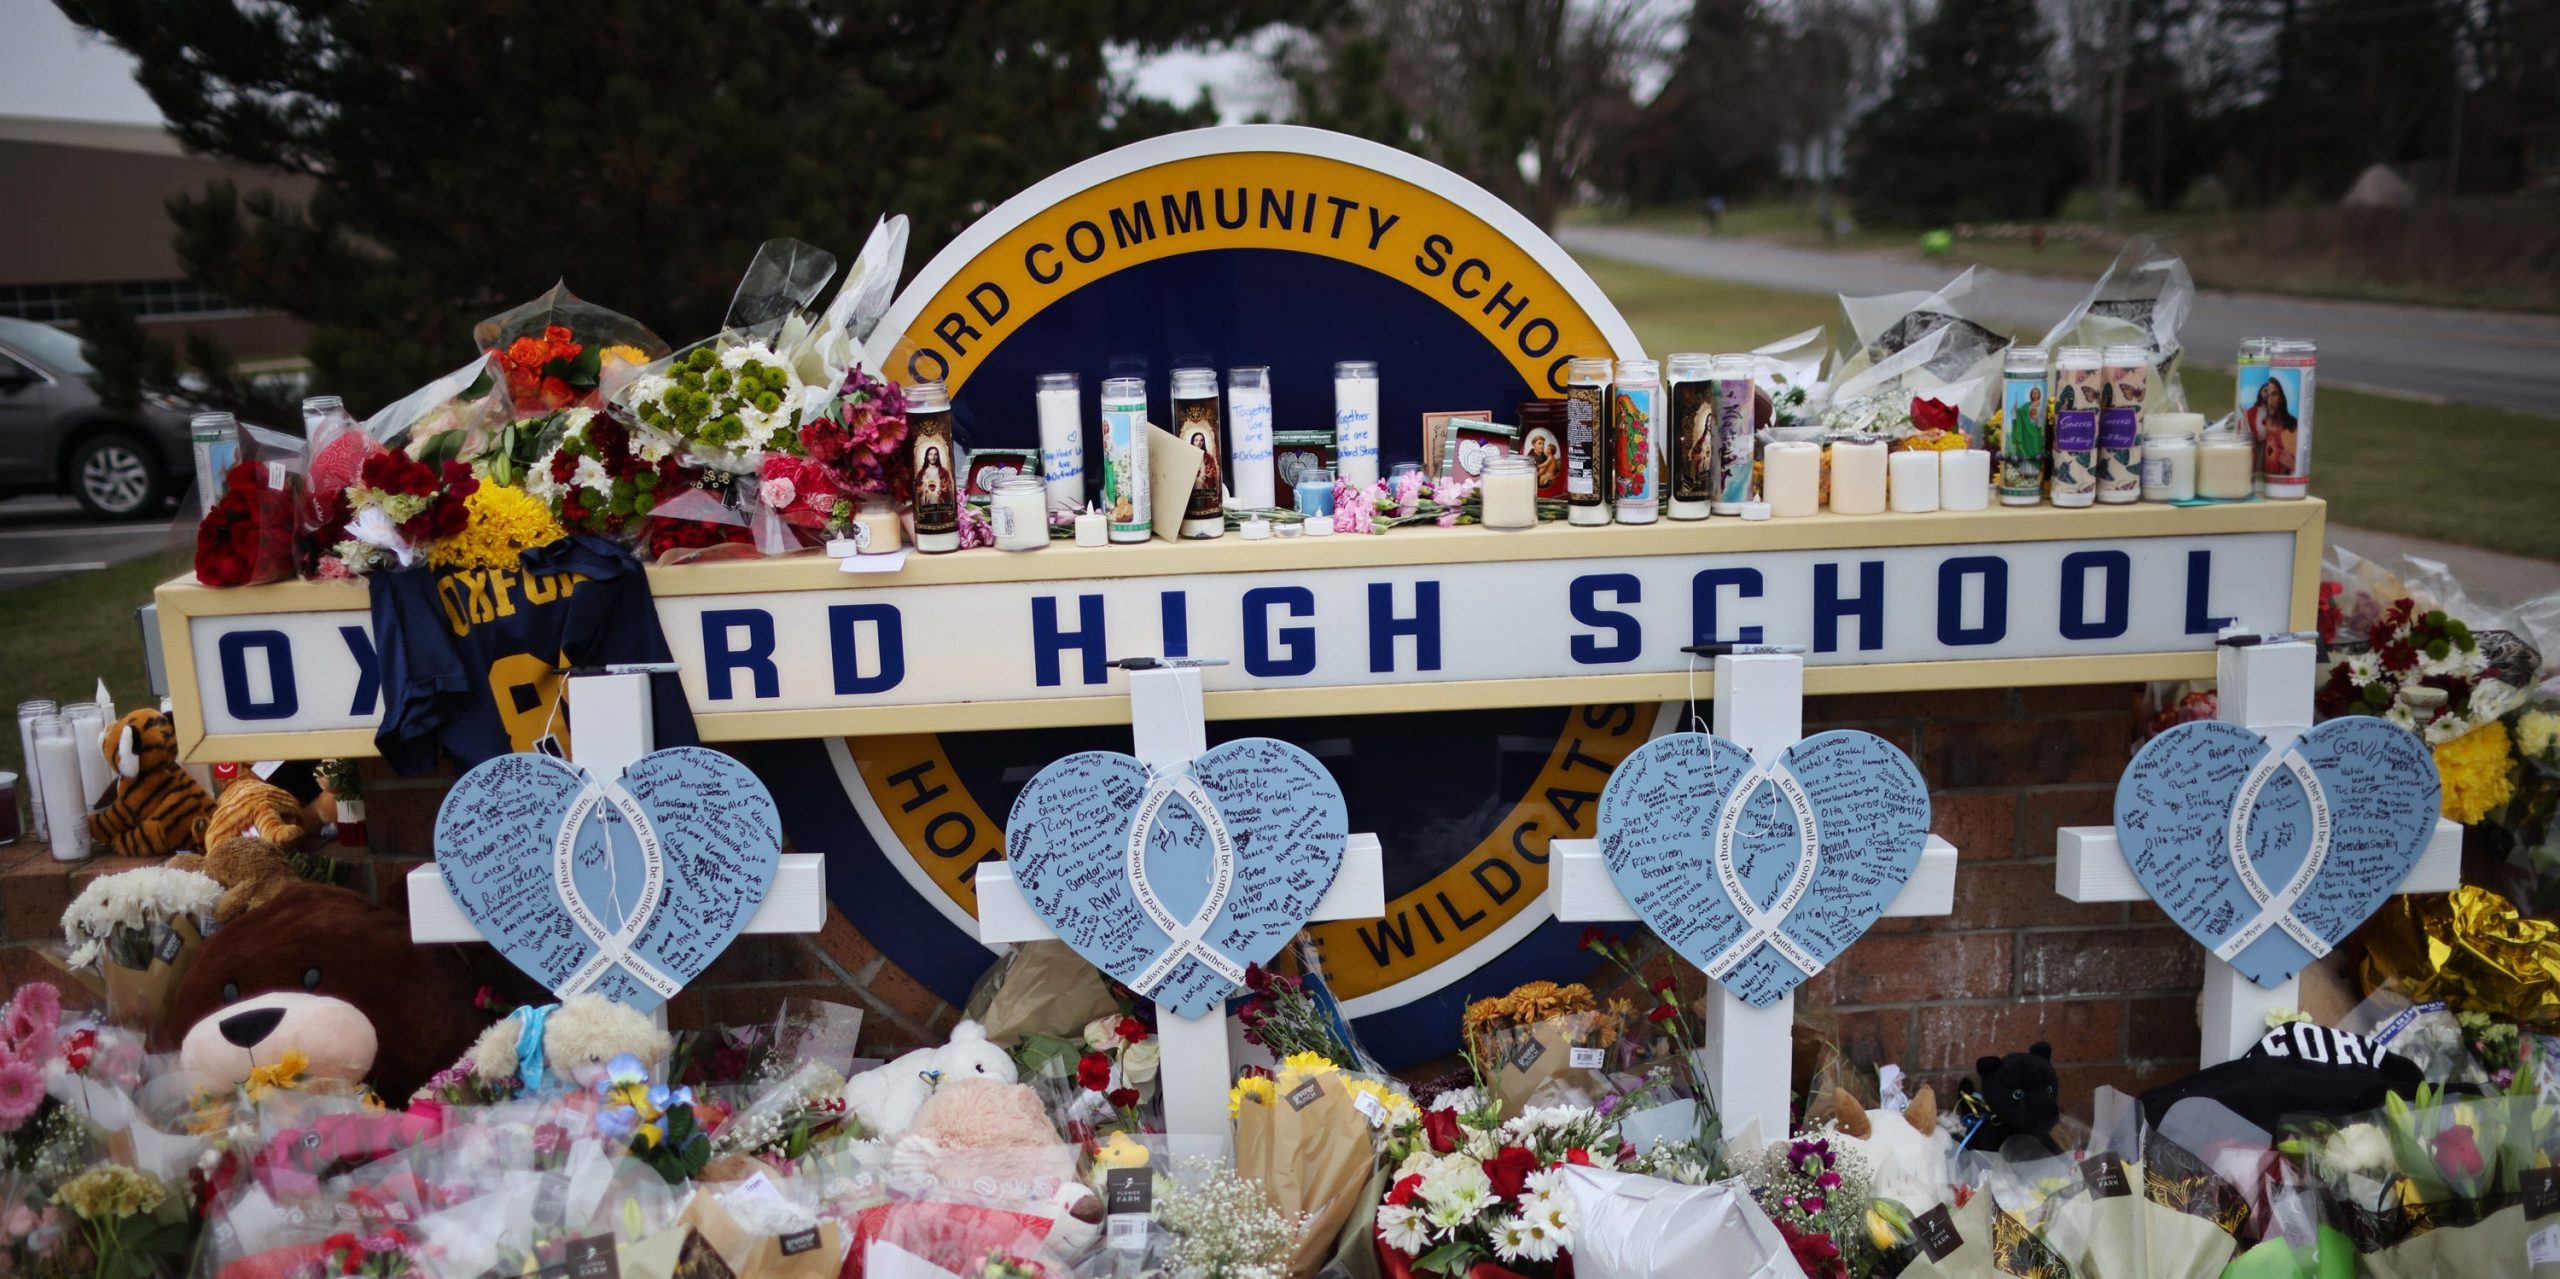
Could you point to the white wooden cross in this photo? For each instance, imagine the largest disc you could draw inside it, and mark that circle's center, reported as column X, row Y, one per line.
column 613, row 729
column 1168, row 721
column 2268, row 687
column 1759, row 705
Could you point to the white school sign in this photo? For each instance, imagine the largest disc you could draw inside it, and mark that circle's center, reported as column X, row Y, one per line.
column 1418, row 619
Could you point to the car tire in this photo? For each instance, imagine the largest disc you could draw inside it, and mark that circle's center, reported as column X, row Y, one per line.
column 117, row 475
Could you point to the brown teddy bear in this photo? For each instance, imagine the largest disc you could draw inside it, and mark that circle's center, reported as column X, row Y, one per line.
column 326, row 971
column 252, row 873
column 157, row 808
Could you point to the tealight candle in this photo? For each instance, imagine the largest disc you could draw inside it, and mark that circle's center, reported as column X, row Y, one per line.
column 1020, row 514
column 1913, row 476
column 1510, row 493
column 1254, row 529
column 1857, row 476
column 1964, row 480
column 1791, row 478
column 1092, row 529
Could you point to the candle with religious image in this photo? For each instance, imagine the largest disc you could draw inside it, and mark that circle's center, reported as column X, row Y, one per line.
column 2026, row 403
column 1195, row 422
column 1737, row 432
column 1689, row 445
column 2284, row 412
column 2126, row 370
column 2079, row 391
column 936, row 460
column 1124, row 460
column 1586, row 439
column 2248, row 383
column 1635, row 410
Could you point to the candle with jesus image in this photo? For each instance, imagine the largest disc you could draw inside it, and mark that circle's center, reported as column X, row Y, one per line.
column 1195, row 422
column 937, row 471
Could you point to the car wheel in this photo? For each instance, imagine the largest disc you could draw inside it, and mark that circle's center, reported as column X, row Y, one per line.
column 116, row 476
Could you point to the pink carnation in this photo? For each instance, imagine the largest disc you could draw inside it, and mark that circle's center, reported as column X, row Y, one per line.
column 33, row 1015
column 777, row 491
column 1408, row 492
column 21, row 1091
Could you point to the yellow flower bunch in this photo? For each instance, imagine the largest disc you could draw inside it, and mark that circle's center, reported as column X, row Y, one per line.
column 284, row 1074
column 504, row 524
column 2476, row 771
column 110, row 1191
column 1253, row 1088
column 2537, row 732
column 1932, row 442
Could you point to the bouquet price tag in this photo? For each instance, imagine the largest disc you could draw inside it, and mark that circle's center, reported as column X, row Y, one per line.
column 1368, row 1104
column 1589, row 1058
column 1128, row 1201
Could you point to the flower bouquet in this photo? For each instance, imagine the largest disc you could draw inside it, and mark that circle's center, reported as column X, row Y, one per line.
column 557, row 352
column 1309, row 1136
column 726, row 402
column 400, row 509
column 2432, row 1187
column 131, row 935
column 248, row 537
column 1477, row 1195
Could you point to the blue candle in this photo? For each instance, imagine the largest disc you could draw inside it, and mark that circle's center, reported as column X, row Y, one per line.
column 1315, row 493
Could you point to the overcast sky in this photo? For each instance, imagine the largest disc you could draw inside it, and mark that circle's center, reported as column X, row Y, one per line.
column 48, row 67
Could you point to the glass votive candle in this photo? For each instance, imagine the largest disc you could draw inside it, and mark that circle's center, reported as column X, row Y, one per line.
column 2223, row 462
column 1314, row 492
column 1019, row 512
column 1509, row 493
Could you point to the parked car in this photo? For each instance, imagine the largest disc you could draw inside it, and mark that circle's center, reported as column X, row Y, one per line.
column 55, row 437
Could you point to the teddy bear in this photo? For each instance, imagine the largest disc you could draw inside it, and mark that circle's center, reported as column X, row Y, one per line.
column 990, row 1142
column 326, row 972
column 251, row 871
column 562, row 1047
column 156, row 808
column 255, row 808
column 2020, row 1097
column 1906, row 1148
column 885, row 1100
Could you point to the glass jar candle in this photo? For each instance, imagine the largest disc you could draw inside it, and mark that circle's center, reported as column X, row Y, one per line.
column 1737, row 431
column 2079, row 390
column 2026, row 416
column 2126, row 372
column 1019, row 513
column 57, row 757
column 876, row 528
column 89, row 726
column 1249, row 419
column 2169, row 456
column 1195, row 422
column 33, row 781
column 1586, row 439
column 1689, row 437
column 1509, row 493
column 1355, row 420
column 1059, row 398
column 933, row 454
column 2223, row 467
column 1635, row 417
column 1791, row 479
column 1126, row 501
column 1857, row 475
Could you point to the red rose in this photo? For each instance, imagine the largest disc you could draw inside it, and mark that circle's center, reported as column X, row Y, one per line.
column 2457, row 1151
column 1509, row 1170
column 1131, row 1030
column 1094, row 1072
column 1441, row 1126
column 1123, row 1098
column 1930, row 415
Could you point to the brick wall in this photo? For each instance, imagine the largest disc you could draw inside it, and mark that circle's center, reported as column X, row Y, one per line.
column 2112, row 987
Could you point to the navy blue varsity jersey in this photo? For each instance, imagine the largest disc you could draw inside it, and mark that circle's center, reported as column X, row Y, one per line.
column 474, row 660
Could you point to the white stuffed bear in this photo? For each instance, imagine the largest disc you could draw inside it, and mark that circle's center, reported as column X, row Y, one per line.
column 885, row 1100
column 576, row 1038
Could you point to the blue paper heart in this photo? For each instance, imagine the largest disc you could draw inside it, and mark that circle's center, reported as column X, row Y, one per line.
column 2373, row 813
column 1660, row 821
column 717, row 838
column 1069, row 835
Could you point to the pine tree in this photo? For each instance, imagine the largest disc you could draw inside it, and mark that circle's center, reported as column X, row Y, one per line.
column 1969, row 129
column 468, row 153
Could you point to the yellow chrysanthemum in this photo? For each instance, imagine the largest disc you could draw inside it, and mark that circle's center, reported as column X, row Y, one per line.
column 624, row 354
column 1932, row 442
column 2476, row 769
column 1250, row 1088
column 505, row 523
column 111, row 1191
column 284, row 1073
column 2537, row 732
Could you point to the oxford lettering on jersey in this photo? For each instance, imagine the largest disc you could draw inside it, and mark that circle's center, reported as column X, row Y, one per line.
column 1542, row 623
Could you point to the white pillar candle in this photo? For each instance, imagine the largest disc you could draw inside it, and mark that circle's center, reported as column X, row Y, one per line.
column 33, row 780
column 1913, row 481
column 58, row 763
column 1791, row 478
column 89, row 730
column 1019, row 513
column 1510, row 493
column 1249, row 422
column 1964, row 480
column 1355, row 421
column 1061, row 402
column 1857, row 477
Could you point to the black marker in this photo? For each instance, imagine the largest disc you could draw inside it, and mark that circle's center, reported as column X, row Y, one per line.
column 626, row 668
column 1165, row 663
column 2275, row 637
column 1741, row 650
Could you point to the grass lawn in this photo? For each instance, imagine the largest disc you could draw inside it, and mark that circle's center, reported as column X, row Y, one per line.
column 62, row 636
column 2456, row 473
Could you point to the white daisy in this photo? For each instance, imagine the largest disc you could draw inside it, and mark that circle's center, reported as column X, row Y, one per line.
column 1458, row 1099
column 1511, row 1240
column 2364, row 667
column 1402, row 1227
column 1545, row 1182
column 591, row 475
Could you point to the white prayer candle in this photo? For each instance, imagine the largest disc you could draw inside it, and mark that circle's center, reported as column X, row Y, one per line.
column 1249, row 421
column 1913, row 481
column 1355, row 421
column 33, row 780
column 1061, row 403
column 58, row 763
column 89, row 729
column 1510, row 493
column 1019, row 513
column 1791, row 478
column 1964, row 480
column 1857, row 477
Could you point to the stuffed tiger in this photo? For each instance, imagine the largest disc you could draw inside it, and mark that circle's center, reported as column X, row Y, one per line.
column 257, row 809
column 156, row 809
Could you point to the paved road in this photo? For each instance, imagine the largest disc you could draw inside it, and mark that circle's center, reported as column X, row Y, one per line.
column 48, row 537
column 2462, row 357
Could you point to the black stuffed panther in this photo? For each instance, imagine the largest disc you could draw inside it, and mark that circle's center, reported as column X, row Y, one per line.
column 2020, row 1096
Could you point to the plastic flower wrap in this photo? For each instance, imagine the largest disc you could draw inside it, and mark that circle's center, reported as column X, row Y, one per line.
column 400, row 509
column 725, row 402
column 1478, row 1188
column 696, row 525
column 557, row 352
column 248, row 536
column 2430, row 1187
